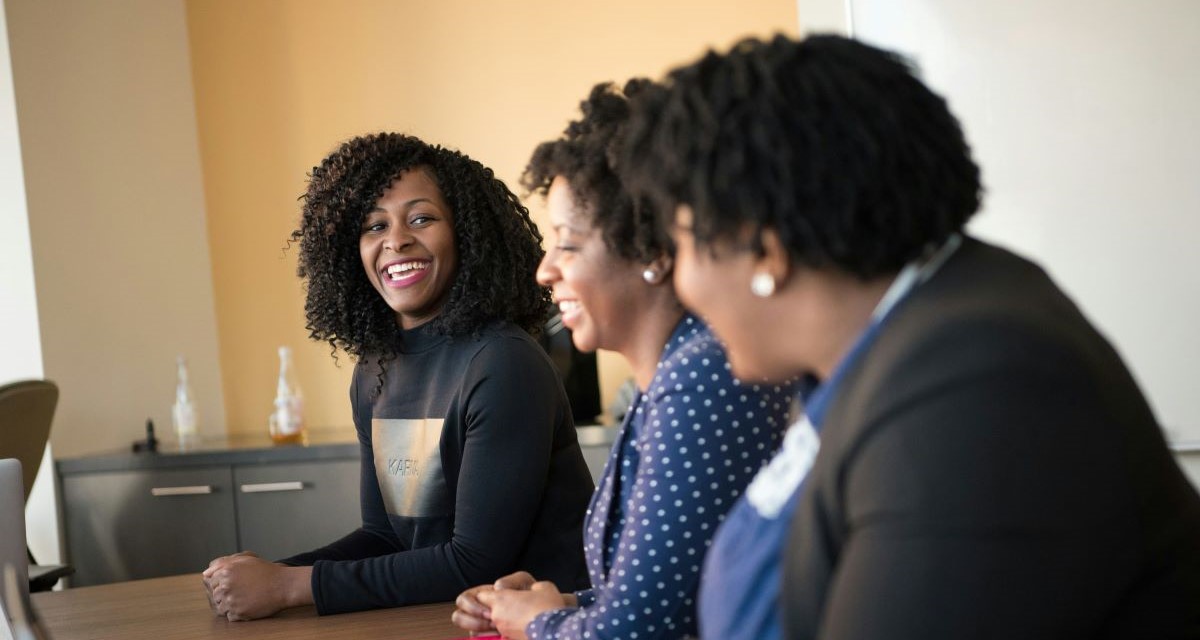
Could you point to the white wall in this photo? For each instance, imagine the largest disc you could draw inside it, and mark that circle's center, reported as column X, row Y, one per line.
column 18, row 312
column 1085, row 117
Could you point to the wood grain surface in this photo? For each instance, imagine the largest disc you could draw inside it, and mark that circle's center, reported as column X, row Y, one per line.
column 176, row 608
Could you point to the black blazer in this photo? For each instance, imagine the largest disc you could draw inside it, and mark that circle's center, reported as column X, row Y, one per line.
column 989, row 469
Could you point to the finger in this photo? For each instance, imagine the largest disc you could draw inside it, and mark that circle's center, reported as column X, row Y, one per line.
column 518, row 580
column 220, row 595
column 470, row 623
column 544, row 585
column 211, row 604
column 488, row 598
column 210, row 581
column 218, row 561
column 469, row 603
column 231, row 607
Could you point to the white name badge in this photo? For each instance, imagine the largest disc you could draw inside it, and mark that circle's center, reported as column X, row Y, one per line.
column 775, row 483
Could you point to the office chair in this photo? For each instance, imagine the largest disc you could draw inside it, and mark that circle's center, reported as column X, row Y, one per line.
column 26, row 412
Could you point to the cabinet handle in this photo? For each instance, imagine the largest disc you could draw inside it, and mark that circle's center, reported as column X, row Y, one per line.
column 197, row 490
column 268, row 487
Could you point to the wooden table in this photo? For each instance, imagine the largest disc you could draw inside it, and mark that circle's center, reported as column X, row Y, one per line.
column 175, row 608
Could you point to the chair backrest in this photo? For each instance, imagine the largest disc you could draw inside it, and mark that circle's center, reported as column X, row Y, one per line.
column 12, row 535
column 26, row 411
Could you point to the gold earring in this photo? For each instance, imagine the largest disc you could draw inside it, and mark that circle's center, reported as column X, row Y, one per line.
column 762, row 284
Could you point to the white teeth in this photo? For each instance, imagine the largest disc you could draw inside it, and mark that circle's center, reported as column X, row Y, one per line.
column 567, row 306
column 398, row 270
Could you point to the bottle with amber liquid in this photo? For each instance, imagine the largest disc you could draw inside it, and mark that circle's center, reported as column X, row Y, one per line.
column 286, row 423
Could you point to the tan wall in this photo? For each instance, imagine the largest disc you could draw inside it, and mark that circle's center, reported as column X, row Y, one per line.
column 116, row 214
column 279, row 84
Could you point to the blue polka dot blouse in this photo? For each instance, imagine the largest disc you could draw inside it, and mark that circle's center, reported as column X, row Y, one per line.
column 689, row 445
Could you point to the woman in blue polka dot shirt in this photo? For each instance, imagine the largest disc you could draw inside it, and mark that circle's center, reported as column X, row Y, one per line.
column 690, row 443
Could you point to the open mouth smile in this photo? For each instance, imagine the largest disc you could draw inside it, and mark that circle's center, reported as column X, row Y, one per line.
column 404, row 273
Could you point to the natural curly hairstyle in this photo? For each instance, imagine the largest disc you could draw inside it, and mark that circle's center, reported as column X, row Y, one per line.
column 586, row 156
column 497, row 243
column 833, row 144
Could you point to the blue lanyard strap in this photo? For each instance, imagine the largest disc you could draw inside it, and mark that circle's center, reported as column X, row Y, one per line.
column 912, row 275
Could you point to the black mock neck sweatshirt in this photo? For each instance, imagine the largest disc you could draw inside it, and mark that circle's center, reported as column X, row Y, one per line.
column 471, row 470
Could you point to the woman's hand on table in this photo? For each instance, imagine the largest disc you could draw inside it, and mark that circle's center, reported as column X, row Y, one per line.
column 509, row 611
column 471, row 615
column 243, row 586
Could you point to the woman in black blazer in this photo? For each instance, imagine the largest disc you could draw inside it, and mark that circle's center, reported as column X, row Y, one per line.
column 987, row 465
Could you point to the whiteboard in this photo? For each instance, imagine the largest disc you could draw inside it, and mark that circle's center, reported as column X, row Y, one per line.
column 1085, row 119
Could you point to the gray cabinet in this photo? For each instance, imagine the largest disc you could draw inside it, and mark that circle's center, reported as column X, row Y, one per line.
column 128, row 517
column 289, row 508
column 596, row 442
column 134, row 516
column 144, row 524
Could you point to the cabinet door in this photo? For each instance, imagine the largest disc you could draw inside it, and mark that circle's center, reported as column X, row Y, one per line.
column 131, row 525
column 596, row 456
column 288, row 508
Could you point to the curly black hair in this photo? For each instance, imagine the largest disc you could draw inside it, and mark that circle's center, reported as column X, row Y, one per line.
column 498, row 246
column 833, row 144
column 586, row 156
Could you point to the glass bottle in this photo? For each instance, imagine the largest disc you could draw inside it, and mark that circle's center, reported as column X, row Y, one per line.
column 286, row 423
column 184, row 416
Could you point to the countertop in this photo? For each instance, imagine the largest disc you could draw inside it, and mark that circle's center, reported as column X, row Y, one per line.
column 331, row 444
column 221, row 450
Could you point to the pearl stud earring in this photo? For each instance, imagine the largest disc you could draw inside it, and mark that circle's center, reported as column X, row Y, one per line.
column 762, row 284
column 650, row 276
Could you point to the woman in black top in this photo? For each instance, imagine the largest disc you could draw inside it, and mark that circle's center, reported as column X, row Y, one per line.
column 420, row 264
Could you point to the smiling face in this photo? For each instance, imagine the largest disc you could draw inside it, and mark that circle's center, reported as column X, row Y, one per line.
column 407, row 248
column 597, row 291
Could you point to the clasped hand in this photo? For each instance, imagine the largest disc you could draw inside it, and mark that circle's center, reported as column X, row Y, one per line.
column 243, row 586
column 507, row 605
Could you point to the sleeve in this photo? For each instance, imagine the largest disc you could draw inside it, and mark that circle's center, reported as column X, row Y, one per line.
column 704, row 437
column 511, row 402
column 375, row 536
column 978, row 503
